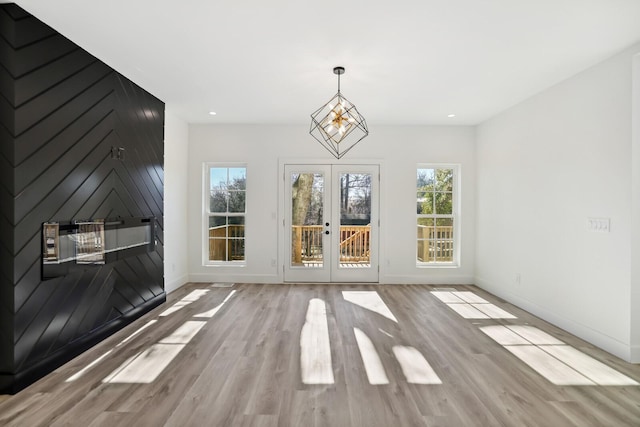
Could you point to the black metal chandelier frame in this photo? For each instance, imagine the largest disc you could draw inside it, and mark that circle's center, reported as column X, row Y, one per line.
column 337, row 125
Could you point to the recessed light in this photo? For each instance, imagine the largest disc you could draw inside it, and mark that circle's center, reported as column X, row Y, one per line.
column 451, row 115
column 212, row 113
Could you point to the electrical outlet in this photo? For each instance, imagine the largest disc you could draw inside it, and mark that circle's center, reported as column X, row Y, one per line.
column 601, row 225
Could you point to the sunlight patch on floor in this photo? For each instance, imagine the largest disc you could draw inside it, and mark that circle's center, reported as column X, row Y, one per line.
column 471, row 306
column 142, row 328
column 214, row 310
column 315, row 348
column 385, row 332
column 493, row 311
column 470, row 297
column 147, row 365
column 503, row 335
column 414, row 366
column 193, row 296
column 84, row 370
column 593, row 369
column 370, row 359
column 447, row 297
column 534, row 335
column 559, row 363
column 467, row 311
column 369, row 300
column 160, row 354
column 184, row 333
column 548, row 366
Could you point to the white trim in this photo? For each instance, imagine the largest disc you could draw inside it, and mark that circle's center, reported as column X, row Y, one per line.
column 382, row 205
column 234, row 278
column 371, row 274
column 635, row 210
column 456, row 215
column 204, row 249
column 635, row 354
column 437, row 265
column 427, row 279
column 605, row 342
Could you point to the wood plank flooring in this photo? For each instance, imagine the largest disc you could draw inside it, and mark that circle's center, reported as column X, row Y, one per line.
column 243, row 366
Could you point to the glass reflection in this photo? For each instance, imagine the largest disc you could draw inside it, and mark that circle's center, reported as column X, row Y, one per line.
column 355, row 220
column 307, row 217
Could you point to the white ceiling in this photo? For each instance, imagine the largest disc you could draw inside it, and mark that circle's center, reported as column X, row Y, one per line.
column 407, row 61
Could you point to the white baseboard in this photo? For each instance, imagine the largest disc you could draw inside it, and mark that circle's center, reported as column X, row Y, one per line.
column 635, row 354
column 173, row 284
column 426, row 280
column 235, row 278
column 597, row 338
column 384, row 279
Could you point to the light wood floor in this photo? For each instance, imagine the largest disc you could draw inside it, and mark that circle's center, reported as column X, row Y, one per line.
column 242, row 368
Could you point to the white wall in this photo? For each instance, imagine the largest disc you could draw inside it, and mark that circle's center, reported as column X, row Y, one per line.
column 544, row 167
column 176, row 141
column 398, row 149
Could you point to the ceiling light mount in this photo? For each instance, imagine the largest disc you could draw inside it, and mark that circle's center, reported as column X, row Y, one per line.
column 338, row 125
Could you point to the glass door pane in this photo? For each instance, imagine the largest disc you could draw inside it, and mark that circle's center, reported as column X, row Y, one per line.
column 354, row 244
column 307, row 217
column 355, row 220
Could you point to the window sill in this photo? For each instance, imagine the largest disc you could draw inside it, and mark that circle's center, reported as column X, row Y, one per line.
column 438, row 265
column 226, row 264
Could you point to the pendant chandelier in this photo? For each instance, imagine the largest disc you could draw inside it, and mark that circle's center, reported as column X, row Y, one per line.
column 338, row 125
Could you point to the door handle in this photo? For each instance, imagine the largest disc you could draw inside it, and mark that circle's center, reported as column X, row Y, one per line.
column 326, row 224
column 326, row 232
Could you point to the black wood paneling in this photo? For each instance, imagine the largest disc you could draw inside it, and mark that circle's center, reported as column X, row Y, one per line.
column 61, row 112
column 7, row 96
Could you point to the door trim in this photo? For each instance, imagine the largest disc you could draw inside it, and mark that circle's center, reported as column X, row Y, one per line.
column 282, row 210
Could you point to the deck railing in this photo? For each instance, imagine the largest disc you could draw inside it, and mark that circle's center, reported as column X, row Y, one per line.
column 226, row 247
column 435, row 244
column 355, row 243
column 306, row 243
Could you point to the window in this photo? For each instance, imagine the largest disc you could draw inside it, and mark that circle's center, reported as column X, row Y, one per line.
column 225, row 206
column 436, row 215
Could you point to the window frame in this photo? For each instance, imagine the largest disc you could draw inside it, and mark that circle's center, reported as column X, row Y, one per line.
column 207, row 214
column 455, row 216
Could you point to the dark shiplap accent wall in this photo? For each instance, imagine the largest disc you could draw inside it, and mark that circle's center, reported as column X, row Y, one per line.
column 61, row 112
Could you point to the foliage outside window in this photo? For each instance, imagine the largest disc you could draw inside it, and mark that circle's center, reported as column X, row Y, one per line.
column 226, row 211
column 436, row 215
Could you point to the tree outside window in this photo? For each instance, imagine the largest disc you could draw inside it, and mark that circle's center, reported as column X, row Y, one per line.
column 226, row 212
column 435, row 215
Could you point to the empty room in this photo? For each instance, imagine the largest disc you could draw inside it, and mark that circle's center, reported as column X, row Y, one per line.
column 320, row 214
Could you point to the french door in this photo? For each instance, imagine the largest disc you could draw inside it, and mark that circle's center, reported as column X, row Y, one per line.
column 331, row 223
